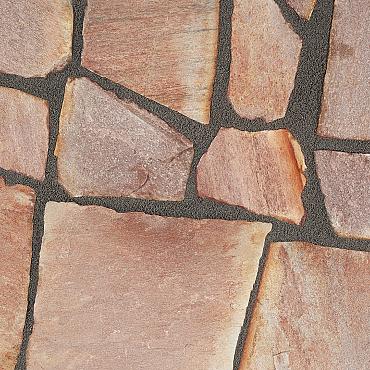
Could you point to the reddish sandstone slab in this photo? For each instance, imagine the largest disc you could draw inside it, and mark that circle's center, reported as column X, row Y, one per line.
column 16, row 209
column 35, row 36
column 110, row 147
column 303, row 7
column 261, row 171
column 136, row 291
column 345, row 110
column 24, row 133
column 165, row 50
column 264, row 59
column 345, row 182
column 312, row 310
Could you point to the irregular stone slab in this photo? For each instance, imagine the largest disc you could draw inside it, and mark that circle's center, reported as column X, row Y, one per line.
column 304, row 8
column 312, row 310
column 165, row 50
column 264, row 59
column 345, row 182
column 35, row 36
column 24, row 133
column 151, row 292
column 260, row 171
column 345, row 111
column 16, row 210
column 110, row 147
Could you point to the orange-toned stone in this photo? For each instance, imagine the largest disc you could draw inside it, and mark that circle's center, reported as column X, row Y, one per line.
column 264, row 59
column 110, row 147
column 345, row 110
column 149, row 292
column 311, row 310
column 345, row 182
column 260, row 171
column 164, row 50
column 35, row 36
column 16, row 210
column 24, row 133
column 303, row 7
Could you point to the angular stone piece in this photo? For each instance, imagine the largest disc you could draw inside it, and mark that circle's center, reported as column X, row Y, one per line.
column 164, row 50
column 264, row 58
column 35, row 36
column 345, row 109
column 16, row 210
column 260, row 171
column 24, row 133
column 304, row 8
column 110, row 147
column 311, row 311
column 149, row 292
column 345, row 182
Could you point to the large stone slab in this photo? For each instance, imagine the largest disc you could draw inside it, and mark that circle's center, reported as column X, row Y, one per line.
column 264, row 59
column 345, row 111
column 312, row 310
column 260, row 171
column 24, row 133
column 16, row 210
column 110, row 147
column 35, row 36
column 345, row 182
column 164, row 50
column 136, row 291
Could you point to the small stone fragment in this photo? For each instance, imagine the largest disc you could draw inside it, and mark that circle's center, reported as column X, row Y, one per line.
column 24, row 133
column 149, row 292
column 111, row 147
column 312, row 310
column 345, row 111
column 35, row 36
column 164, row 50
column 345, row 182
column 304, row 8
column 260, row 171
column 264, row 59
column 16, row 210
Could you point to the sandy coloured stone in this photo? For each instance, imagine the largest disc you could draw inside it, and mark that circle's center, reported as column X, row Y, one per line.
column 264, row 59
column 312, row 310
column 24, row 132
column 304, row 8
column 16, row 210
column 164, row 50
column 260, row 171
column 110, row 147
column 345, row 182
column 35, row 36
column 149, row 292
column 345, row 111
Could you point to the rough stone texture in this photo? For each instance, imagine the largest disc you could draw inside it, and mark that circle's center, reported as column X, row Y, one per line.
column 312, row 310
column 264, row 58
column 110, row 147
column 165, row 50
column 345, row 105
column 304, row 8
column 345, row 182
column 24, row 133
column 16, row 209
column 148, row 291
column 35, row 36
column 260, row 171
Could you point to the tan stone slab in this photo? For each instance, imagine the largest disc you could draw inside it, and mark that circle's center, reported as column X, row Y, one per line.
column 264, row 59
column 345, row 111
column 260, row 171
column 312, row 310
column 24, row 133
column 134, row 291
column 16, row 210
column 164, row 50
column 304, row 8
column 345, row 182
column 35, row 36
column 110, row 147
